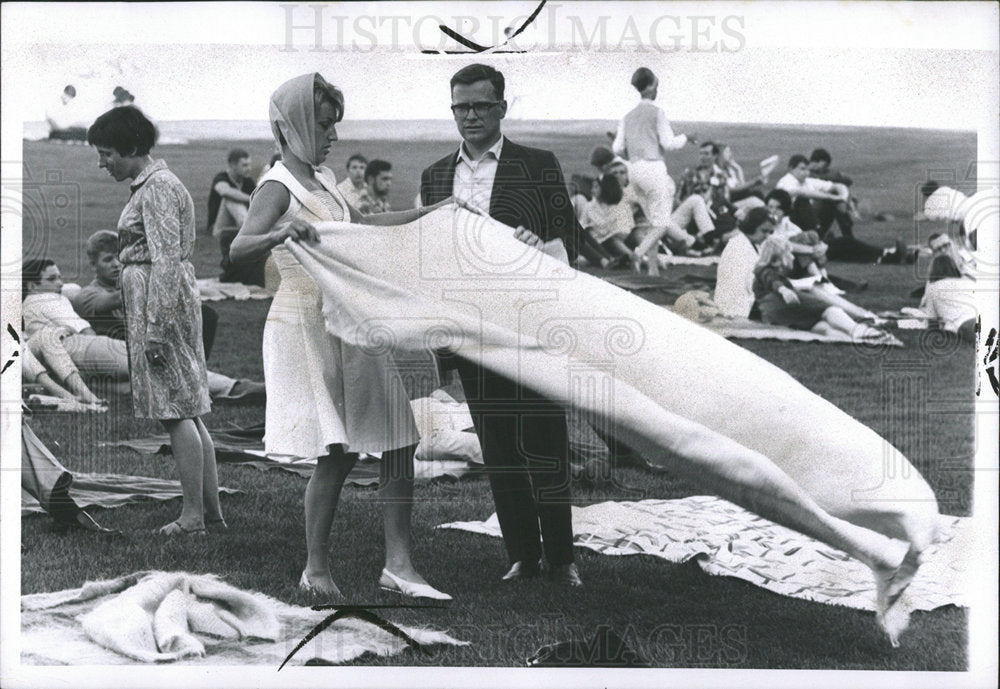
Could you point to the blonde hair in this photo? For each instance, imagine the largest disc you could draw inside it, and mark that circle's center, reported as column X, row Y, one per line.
column 775, row 250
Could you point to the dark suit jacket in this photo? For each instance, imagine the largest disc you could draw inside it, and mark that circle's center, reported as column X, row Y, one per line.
column 529, row 191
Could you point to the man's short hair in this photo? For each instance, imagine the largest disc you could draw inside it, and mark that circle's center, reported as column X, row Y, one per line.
column 716, row 149
column 643, row 78
column 820, row 155
column 31, row 272
column 796, row 160
column 476, row 72
column 783, row 198
column 601, row 156
column 929, row 188
column 124, row 129
column 356, row 156
column 70, row 90
column 101, row 242
column 236, row 155
column 377, row 167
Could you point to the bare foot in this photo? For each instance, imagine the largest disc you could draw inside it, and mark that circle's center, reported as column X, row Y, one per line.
column 891, row 609
column 178, row 528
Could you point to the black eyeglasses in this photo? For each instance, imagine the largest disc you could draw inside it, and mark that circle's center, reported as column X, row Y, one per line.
column 481, row 108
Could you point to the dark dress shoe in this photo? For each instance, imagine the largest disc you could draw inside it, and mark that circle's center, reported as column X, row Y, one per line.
column 523, row 570
column 566, row 575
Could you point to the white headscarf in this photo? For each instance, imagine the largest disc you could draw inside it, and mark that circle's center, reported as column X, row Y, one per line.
column 292, row 114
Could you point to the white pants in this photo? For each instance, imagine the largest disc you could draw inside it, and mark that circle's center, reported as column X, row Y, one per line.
column 654, row 188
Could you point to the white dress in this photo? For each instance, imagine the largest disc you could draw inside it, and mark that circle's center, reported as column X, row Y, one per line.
column 320, row 390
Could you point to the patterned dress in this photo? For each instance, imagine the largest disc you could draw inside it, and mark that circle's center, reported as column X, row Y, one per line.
column 156, row 234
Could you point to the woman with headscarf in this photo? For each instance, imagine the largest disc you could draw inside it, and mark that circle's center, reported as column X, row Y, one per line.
column 325, row 398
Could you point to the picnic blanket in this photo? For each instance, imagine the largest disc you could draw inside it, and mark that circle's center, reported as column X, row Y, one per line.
column 213, row 290
column 746, row 329
column 114, row 490
column 726, row 540
column 191, row 619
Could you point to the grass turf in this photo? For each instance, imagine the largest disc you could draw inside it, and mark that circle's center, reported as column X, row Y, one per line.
column 675, row 615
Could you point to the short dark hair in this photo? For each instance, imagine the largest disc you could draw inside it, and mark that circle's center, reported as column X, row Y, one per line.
column 356, row 156
column 820, row 155
column 601, row 156
column 70, row 90
column 716, row 149
column 783, row 198
column 581, row 184
column 124, row 129
column 101, row 242
column 236, row 155
column 377, row 167
column 643, row 78
column 611, row 190
column 797, row 160
column 929, row 188
column 754, row 219
column 31, row 272
column 477, row 72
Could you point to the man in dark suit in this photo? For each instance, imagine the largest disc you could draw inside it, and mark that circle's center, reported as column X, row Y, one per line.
column 523, row 435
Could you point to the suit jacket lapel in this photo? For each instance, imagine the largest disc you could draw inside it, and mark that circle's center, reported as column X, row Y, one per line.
column 506, row 169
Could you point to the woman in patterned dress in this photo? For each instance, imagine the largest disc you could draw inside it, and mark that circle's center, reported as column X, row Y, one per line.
column 325, row 398
column 156, row 234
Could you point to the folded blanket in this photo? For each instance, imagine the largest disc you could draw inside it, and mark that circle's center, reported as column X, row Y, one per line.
column 114, row 490
column 727, row 540
column 149, row 617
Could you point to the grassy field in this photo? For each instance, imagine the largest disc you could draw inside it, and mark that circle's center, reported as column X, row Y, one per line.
column 710, row 621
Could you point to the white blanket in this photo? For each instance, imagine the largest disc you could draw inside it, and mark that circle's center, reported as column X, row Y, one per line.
column 726, row 540
column 683, row 396
column 192, row 619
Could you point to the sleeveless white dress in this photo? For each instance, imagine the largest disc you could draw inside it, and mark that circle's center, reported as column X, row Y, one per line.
column 320, row 390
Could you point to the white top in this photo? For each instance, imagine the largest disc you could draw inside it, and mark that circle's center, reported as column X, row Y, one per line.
column 734, row 278
column 48, row 310
column 949, row 300
column 351, row 193
column 604, row 221
column 794, row 187
column 786, row 228
column 474, row 178
column 645, row 134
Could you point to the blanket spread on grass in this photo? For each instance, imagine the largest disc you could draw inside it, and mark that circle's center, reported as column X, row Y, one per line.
column 114, row 490
column 190, row 619
column 727, row 540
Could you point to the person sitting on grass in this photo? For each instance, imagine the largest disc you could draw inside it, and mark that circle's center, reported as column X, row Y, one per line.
column 608, row 219
column 581, row 190
column 228, row 201
column 738, row 188
column 844, row 213
column 781, row 304
column 948, row 298
column 734, row 280
column 846, row 249
column 46, row 363
column 102, row 356
column 809, row 275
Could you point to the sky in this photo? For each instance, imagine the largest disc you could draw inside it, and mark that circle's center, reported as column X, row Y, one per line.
column 923, row 65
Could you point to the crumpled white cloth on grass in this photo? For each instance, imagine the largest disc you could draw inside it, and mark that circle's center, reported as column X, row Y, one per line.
column 726, row 540
column 150, row 617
